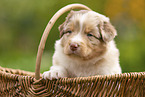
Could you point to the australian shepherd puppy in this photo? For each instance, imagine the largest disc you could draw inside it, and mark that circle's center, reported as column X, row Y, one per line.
column 86, row 47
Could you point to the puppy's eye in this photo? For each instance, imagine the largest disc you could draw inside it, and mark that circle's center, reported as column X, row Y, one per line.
column 69, row 32
column 89, row 34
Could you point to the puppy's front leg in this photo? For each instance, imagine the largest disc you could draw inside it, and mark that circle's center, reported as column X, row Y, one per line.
column 55, row 72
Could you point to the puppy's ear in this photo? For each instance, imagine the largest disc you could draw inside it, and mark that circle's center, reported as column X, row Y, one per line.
column 61, row 27
column 107, row 31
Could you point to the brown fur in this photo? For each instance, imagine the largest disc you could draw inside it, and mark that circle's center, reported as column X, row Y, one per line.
column 107, row 30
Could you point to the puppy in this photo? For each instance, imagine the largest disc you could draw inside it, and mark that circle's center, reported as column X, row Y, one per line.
column 86, row 47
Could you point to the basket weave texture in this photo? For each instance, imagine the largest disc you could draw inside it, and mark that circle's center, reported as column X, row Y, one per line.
column 15, row 83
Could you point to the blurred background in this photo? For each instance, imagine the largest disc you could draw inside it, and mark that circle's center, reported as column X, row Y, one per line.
column 22, row 23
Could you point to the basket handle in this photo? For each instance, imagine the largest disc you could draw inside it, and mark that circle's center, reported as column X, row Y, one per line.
column 47, row 30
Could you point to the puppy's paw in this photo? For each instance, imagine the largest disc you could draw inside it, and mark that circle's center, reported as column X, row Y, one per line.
column 52, row 75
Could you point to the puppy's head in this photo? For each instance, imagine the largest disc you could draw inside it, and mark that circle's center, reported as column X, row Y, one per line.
column 85, row 34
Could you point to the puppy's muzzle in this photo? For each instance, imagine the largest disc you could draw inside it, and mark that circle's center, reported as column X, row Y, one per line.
column 74, row 46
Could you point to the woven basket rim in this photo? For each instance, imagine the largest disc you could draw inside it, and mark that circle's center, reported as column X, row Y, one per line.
column 27, row 84
column 22, row 74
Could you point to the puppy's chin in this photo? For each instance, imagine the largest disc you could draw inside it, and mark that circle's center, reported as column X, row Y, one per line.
column 75, row 54
column 84, row 54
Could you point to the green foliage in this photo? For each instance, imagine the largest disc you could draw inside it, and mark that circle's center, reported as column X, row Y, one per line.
column 22, row 23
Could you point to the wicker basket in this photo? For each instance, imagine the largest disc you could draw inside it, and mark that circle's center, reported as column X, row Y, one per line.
column 14, row 82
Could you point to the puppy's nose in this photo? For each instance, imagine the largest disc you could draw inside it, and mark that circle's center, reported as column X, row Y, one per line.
column 74, row 46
